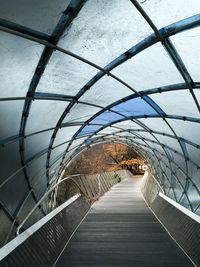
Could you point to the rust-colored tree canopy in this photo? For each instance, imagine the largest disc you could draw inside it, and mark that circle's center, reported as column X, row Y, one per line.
column 103, row 158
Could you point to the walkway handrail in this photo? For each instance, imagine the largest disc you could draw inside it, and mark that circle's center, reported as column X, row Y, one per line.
column 41, row 200
column 70, row 177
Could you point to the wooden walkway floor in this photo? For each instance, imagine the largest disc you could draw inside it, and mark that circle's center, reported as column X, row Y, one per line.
column 121, row 231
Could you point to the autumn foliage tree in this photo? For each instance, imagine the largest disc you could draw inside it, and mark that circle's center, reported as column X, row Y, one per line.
column 104, row 157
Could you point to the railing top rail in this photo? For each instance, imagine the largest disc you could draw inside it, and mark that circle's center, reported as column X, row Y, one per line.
column 9, row 247
column 41, row 200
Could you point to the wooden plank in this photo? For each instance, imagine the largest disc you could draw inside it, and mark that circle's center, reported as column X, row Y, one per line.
column 120, row 230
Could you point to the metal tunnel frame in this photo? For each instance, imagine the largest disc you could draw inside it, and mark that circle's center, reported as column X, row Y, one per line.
column 130, row 136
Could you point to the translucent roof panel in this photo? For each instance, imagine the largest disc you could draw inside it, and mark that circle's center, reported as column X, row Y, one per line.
column 36, row 169
column 108, row 130
column 177, row 10
column 177, row 102
column 187, row 45
column 128, row 125
column 106, row 118
column 19, row 12
column 134, row 107
column 193, row 152
column 44, row 115
column 169, row 142
column 186, row 129
column 36, row 143
column 101, row 33
column 65, row 75
column 80, row 113
column 156, row 124
column 105, row 92
column 148, row 69
column 10, row 118
column 16, row 192
column 65, row 134
column 197, row 95
column 10, row 161
column 89, row 129
column 57, row 153
column 19, row 58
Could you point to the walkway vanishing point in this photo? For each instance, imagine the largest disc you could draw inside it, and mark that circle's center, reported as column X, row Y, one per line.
column 120, row 230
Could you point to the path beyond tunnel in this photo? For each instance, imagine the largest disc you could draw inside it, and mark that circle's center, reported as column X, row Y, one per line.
column 120, row 230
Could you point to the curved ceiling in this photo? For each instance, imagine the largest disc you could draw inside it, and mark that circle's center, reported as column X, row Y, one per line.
column 80, row 72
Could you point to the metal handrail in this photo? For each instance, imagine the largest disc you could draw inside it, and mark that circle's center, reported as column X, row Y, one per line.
column 41, row 200
column 55, row 186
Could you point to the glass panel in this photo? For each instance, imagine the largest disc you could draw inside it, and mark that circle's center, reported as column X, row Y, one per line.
column 44, row 114
column 197, row 94
column 148, row 69
column 89, row 129
column 13, row 193
column 65, row 134
column 125, row 134
column 134, row 107
column 10, row 118
column 198, row 211
column 73, row 152
column 108, row 130
column 144, row 135
column 105, row 92
column 166, row 183
column 177, row 103
column 186, row 129
column 10, row 161
column 156, row 146
column 65, row 75
column 169, row 142
column 194, row 173
column 36, row 169
column 177, row 160
column 193, row 196
column 57, row 153
column 105, row 29
column 193, row 153
column 6, row 223
column 36, row 143
column 171, row 194
column 166, row 12
column 185, row 202
column 39, row 15
column 156, row 124
column 40, row 186
column 187, row 45
column 27, row 206
column 177, row 189
column 106, row 118
column 137, row 140
column 19, row 58
column 128, row 125
column 81, row 113
column 36, row 216
column 53, row 171
column 77, row 142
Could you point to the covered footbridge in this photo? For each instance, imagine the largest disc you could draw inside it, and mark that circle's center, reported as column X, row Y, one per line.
column 79, row 73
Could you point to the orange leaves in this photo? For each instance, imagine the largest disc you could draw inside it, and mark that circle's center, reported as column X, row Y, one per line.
column 132, row 162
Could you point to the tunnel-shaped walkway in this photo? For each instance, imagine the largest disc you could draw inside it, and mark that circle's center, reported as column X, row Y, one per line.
column 120, row 230
column 77, row 73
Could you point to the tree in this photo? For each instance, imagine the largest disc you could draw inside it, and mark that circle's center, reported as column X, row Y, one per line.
column 102, row 158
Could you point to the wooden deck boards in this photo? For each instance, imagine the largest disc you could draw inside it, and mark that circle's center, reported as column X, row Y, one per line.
column 120, row 230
